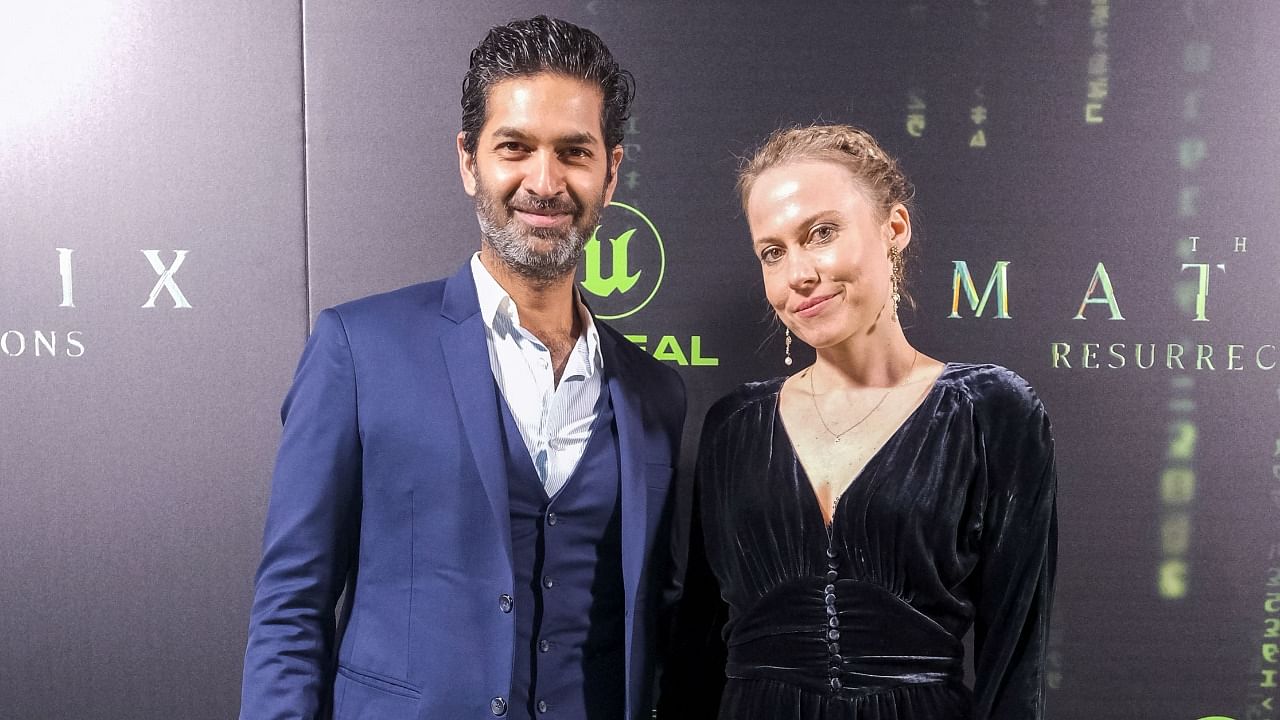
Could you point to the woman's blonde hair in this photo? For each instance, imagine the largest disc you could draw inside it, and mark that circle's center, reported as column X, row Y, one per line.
column 852, row 148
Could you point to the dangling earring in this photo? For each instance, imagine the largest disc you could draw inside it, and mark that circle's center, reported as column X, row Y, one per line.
column 787, row 359
column 895, row 278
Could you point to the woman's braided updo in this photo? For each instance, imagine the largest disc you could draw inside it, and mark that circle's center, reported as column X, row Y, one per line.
column 874, row 169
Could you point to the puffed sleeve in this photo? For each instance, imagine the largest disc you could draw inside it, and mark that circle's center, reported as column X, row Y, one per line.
column 310, row 536
column 1019, row 552
column 693, row 674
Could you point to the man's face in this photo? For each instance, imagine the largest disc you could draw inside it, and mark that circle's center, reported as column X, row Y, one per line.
column 541, row 172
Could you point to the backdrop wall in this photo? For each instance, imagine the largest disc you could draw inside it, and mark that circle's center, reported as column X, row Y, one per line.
column 182, row 188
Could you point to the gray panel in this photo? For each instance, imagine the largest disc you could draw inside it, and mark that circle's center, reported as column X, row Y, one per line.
column 134, row 465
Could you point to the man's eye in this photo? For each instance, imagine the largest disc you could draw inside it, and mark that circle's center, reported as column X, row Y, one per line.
column 577, row 153
column 511, row 147
column 823, row 233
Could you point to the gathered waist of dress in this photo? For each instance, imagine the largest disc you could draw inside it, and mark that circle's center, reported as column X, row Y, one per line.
column 845, row 636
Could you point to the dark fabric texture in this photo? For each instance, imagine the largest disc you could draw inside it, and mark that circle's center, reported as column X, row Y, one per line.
column 570, row 661
column 950, row 526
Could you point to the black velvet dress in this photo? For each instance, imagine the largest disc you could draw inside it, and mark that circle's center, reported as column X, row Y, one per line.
column 951, row 524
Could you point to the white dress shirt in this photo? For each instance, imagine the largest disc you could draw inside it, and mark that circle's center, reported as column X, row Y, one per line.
column 555, row 421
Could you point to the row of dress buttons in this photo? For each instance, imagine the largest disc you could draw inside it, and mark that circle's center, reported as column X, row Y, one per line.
column 498, row 706
column 833, row 619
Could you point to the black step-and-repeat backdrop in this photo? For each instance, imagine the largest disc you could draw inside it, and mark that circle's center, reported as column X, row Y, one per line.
column 183, row 186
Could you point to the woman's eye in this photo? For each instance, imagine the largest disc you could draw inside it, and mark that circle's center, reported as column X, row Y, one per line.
column 823, row 233
column 770, row 255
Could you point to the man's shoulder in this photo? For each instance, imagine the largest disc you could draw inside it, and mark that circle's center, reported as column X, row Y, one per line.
column 659, row 387
column 418, row 297
column 389, row 318
column 637, row 359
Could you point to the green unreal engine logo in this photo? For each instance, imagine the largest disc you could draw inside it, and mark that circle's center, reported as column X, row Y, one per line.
column 624, row 264
column 620, row 293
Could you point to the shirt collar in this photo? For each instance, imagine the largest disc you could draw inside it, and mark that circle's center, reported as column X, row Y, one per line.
column 496, row 303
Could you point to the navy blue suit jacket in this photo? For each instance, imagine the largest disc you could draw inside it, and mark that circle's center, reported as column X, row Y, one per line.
column 390, row 484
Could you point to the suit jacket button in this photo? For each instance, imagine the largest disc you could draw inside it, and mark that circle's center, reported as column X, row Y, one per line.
column 498, row 706
column 504, row 604
column 552, row 519
column 542, row 706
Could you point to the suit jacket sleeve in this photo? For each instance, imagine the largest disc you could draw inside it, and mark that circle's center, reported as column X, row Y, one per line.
column 310, row 537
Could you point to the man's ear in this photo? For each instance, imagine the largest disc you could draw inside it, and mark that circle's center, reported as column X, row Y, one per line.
column 466, row 166
column 615, row 161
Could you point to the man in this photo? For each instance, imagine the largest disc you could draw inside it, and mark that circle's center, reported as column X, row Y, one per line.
column 482, row 467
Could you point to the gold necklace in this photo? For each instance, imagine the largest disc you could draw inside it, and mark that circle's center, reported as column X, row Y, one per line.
column 837, row 435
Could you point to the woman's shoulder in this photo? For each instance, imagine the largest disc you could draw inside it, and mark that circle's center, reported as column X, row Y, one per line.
column 746, row 400
column 992, row 388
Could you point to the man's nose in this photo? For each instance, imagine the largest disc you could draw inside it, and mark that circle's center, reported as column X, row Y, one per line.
column 545, row 178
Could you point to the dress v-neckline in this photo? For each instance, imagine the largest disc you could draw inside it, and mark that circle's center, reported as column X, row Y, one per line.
column 873, row 459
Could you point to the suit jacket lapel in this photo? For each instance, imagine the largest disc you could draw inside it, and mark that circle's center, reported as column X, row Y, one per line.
column 625, row 394
column 466, row 354
column 625, row 391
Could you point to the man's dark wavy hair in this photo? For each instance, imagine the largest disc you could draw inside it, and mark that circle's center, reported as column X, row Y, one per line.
column 542, row 44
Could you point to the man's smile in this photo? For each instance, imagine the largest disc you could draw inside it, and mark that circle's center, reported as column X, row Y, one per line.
column 543, row 218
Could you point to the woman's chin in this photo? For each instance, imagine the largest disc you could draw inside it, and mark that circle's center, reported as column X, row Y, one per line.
column 823, row 340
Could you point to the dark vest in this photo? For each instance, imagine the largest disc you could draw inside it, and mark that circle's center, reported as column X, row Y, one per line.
column 569, row 601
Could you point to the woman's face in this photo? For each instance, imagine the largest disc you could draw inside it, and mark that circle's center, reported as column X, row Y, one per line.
column 823, row 247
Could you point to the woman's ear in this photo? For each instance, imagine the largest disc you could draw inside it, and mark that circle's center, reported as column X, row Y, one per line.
column 898, row 226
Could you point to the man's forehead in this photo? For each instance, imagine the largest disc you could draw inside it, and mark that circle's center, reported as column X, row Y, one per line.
column 575, row 137
column 549, row 79
column 545, row 104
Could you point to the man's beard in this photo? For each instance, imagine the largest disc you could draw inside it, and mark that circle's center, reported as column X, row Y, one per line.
column 512, row 240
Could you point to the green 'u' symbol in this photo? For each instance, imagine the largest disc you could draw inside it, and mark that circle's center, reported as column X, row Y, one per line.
column 619, row 280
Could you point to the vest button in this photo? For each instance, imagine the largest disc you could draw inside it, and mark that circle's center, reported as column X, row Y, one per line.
column 552, row 519
column 498, row 706
column 504, row 603
column 547, row 582
column 543, row 646
column 542, row 706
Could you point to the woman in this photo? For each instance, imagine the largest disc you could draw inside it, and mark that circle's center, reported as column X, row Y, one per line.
column 858, row 517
